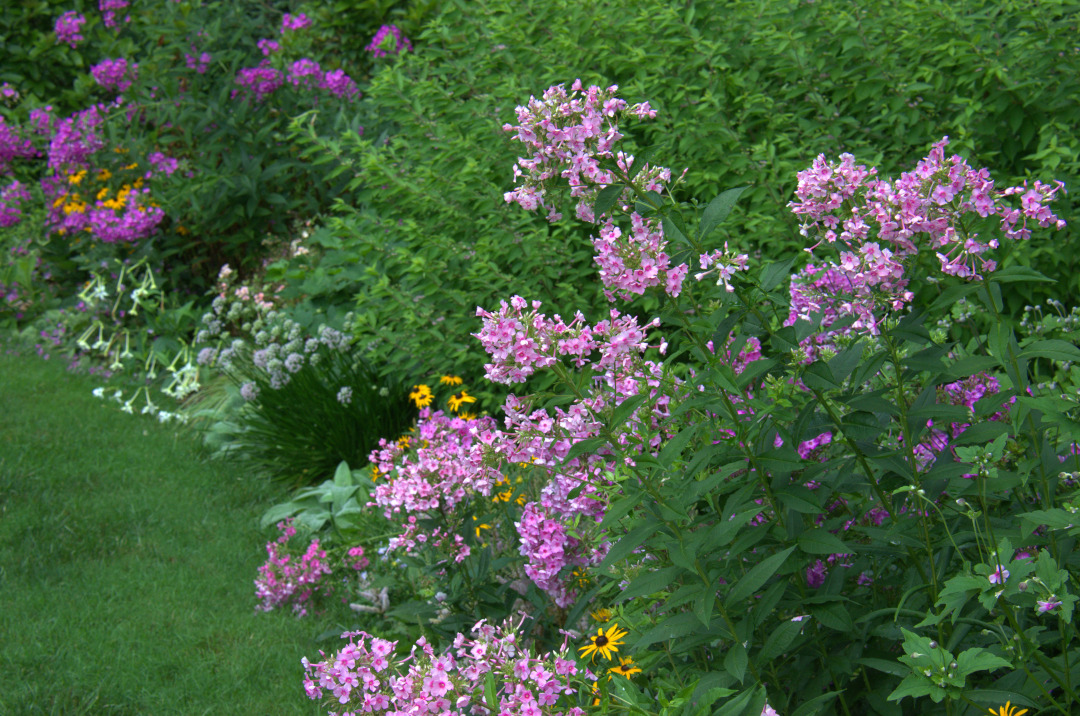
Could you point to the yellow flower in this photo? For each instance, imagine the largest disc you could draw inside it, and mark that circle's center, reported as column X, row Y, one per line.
column 450, row 380
column 104, row 175
column 104, row 192
column 456, row 401
column 479, row 527
column 77, row 177
column 626, row 667
column 403, row 441
column 133, row 165
column 467, row 416
column 421, row 395
column 601, row 615
column 1008, row 710
column 375, row 474
column 604, row 643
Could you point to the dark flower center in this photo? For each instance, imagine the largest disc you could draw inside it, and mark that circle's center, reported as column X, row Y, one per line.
column 601, row 641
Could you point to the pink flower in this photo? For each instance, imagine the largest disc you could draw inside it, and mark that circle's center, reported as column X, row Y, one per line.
column 999, row 575
column 1046, row 605
column 68, row 28
column 294, row 22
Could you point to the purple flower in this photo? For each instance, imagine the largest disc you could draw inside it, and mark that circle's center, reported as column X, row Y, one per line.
column 388, row 41
column 305, row 72
column 108, row 11
column 268, row 47
column 815, row 574
column 262, row 80
column 11, row 198
column 340, row 85
column 115, row 74
column 294, row 22
column 12, row 146
column 999, row 575
column 68, row 27
column 199, row 64
column 162, row 163
column 1047, row 605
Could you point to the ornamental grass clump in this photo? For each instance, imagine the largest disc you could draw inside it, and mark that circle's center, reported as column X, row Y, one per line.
column 819, row 488
column 305, row 401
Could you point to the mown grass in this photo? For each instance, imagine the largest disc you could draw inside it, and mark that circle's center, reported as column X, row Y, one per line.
column 126, row 565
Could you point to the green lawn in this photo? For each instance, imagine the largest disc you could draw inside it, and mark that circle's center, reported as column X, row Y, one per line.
column 126, row 564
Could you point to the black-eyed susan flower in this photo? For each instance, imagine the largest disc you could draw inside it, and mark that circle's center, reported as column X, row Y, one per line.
column 604, row 643
column 626, row 667
column 601, row 615
column 450, row 380
column 479, row 526
column 1007, row 710
column 456, row 401
column 421, row 395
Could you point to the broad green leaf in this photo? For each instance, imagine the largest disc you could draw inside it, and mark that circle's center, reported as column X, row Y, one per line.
column 718, row 210
column 606, row 198
column 735, row 661
column 757, row 576
column 650, row 583
column 775, row 273
column 820, row 541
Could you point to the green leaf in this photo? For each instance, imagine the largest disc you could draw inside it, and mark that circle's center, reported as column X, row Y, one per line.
column 490, row 699
column 735, row 661
column 757, row 576
column 976, row 659
column 1055, row 519
column 585, row 446
column 718, row 210
column 627, row 544
column 650, row 583
column 889, row 667
column 624, row 409
column 606, row 198
column 913, row 686
column 814, row 705
column 1052, row 349
column 673, row 232
column 833, row 615
column 820, row 541
column 779, row 640
column 776, row 272
column 674, row 447
column 343, row 475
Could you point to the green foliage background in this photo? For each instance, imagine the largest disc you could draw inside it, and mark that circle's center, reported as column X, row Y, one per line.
column 747, row 93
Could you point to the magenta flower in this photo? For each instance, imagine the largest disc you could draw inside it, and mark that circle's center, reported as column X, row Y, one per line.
column 294, row 22
column 11, row 199
column 199, row 64
column 999, row 575
column 115, row 74
column 262, row 81
column 1047, row 605
column 388, row 41
column 68, row 28
column 815, row 574
column 268, row 47
column 108, row 11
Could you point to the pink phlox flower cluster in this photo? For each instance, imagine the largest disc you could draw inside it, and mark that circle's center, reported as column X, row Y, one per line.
column 966, row 392
column 366, row 676
column 724, row 264
column 162, row 163
column 262, row 80
column 137, row 220
column 199, row 63
column 41, row 120
column 549, row 550
column 569, row 135
column 291, row 22
column 68, row 28
column 822, row 295
column 339, row 84
column 520, row 340
column 388, row 40
column 115, row 74
column 814, row 447
column 925, row 207
column 283, row 580
column 305, row 72
column 441, row 472
column 76, row 139
column 268, row 47
column 11, row 199
column 13, row 146
column 109, row 9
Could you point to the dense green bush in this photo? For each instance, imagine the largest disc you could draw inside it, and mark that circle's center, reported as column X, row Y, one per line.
column 749, row 93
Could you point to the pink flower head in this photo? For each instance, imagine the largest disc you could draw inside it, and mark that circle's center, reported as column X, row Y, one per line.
column 999, row 575
column 68, row 28
column 108, row 11
column 1047, row 605
column 116, row 75
column 388, row 41
column 294, row 22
